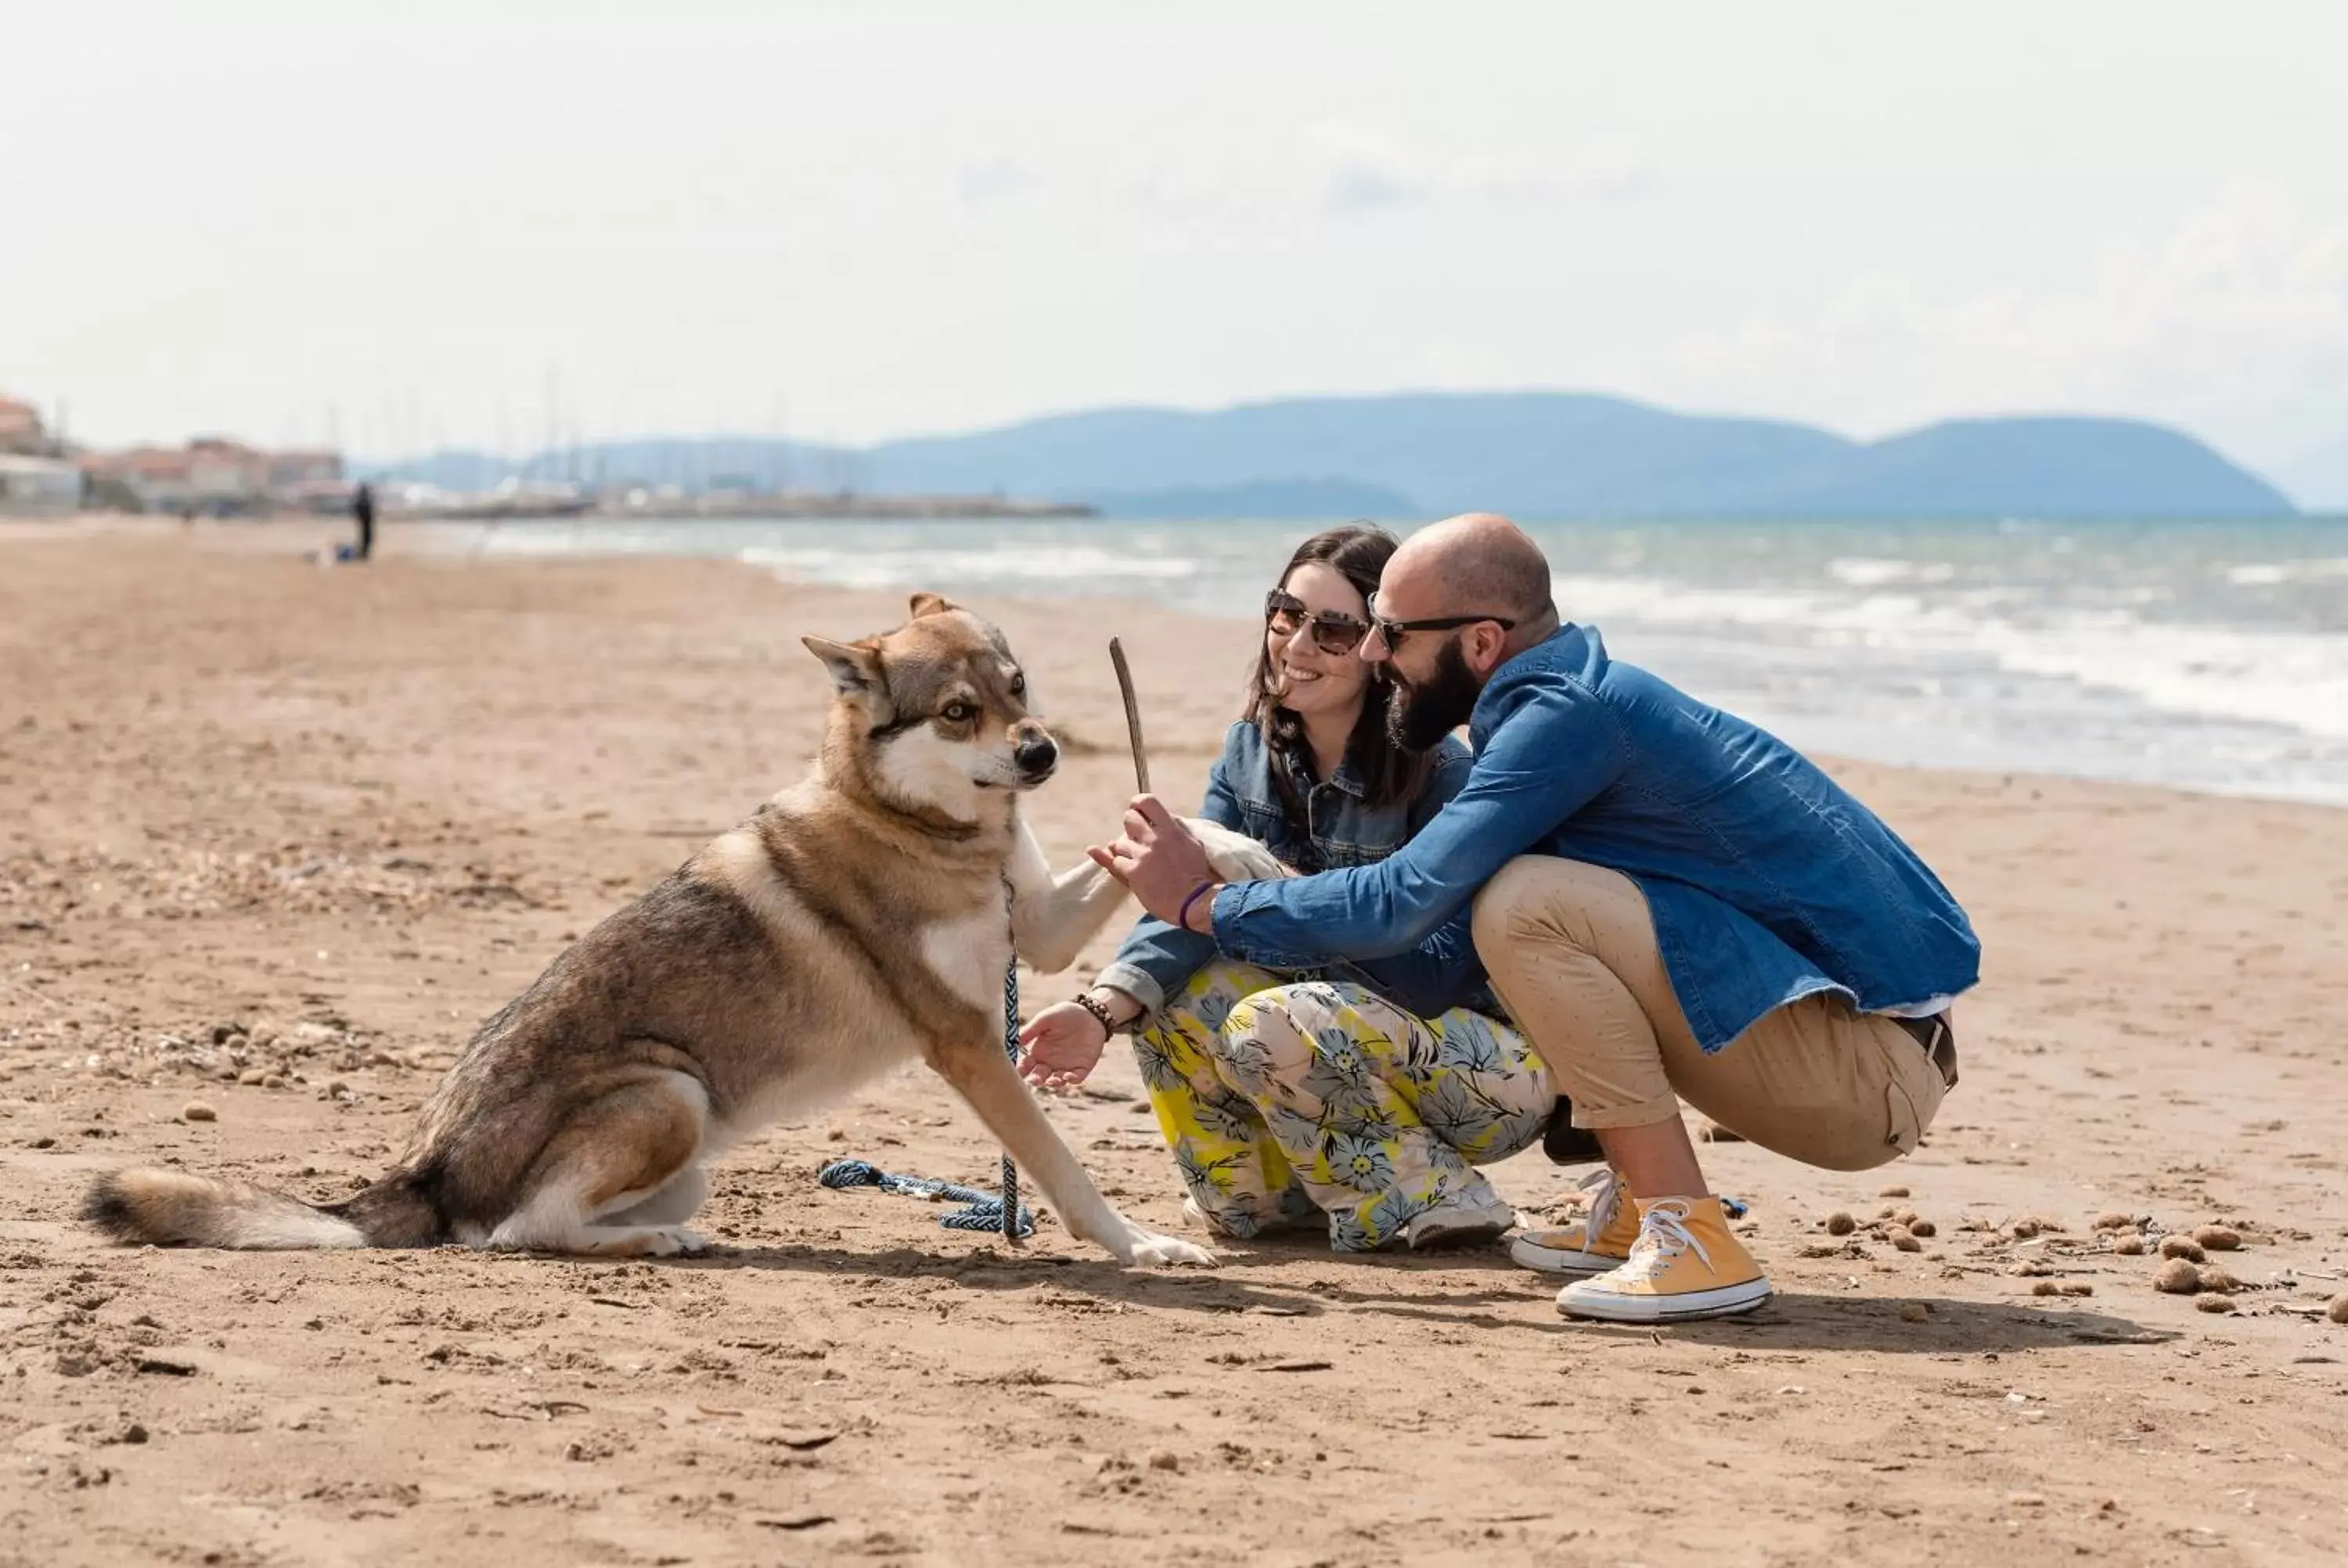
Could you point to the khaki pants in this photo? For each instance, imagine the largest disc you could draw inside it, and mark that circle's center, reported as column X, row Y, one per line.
column 1571, row 950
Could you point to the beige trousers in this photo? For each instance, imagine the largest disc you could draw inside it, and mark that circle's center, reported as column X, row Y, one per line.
column 1571, row 950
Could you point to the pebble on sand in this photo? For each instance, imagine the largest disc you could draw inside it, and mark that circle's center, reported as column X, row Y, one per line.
column 1165, row 1458
column 1904, row 1240
column 1840, row 1223
column 197, row 1111
column 2062, row 1287
column 2338, row 1310
column 2183, row 1246
column 1924, row 1228
column 2129, row 1246
column 2177, row 1277
column 1892, row 1192
column 2112, row 1220
column 2216, row 1278
column 2215, row 1303
column 1917, row 1312
column 2218, row 1238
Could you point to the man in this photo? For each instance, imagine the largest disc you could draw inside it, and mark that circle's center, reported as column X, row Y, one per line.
column 1672, row 904
column 363, row 513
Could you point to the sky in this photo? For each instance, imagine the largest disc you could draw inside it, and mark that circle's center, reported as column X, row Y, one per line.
column 407, row 225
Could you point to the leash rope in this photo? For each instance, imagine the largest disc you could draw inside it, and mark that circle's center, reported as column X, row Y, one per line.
column 980, row 1210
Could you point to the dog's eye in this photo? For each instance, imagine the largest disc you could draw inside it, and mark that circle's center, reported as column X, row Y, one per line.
column 1019, row 685
column 958, row 712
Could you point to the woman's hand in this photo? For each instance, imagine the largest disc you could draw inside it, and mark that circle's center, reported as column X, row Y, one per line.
column 1060, row 1046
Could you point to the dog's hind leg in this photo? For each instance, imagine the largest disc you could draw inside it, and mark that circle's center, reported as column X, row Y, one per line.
column 594, row 1189
column 985, row 1077
column 673, row 1205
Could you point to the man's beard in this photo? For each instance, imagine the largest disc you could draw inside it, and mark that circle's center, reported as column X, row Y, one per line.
column 1421, row 713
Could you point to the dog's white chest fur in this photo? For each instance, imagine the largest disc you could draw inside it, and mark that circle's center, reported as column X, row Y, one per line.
column 969, row 956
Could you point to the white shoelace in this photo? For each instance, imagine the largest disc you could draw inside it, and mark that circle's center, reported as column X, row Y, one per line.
column 1605, row 1197
column 1662, row 1237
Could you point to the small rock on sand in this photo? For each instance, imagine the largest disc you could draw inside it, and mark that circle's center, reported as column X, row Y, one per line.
column 1840, row 1223
column 2216, row 1278
column 1892, row 1192
column 2338, row 1310
column 2215, row 1303
column 1917, row 1312
column 2177, row 1277
column 2183, row 1246
column 197, row 1111
column 1165, row 1458
column 2112, row 1220
column 2129, row 1246
column 1924, row 1228
column 2218, row 1238
column 1901, row 1238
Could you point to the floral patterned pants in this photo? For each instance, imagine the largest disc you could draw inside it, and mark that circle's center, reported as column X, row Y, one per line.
column 1286, row 1102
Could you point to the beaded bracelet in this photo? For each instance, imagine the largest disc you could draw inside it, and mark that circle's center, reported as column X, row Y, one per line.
column 1084, row 1000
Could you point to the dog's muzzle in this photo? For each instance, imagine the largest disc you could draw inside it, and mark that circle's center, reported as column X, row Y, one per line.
column 1036, row 759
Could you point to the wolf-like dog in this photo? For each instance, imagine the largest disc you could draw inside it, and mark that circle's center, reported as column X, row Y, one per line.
column 861, row 917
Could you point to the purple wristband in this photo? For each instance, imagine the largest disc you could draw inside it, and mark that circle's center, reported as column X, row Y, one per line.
column 1183, row 919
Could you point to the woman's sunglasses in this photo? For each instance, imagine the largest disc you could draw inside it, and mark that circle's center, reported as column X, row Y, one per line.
column 1283, row 612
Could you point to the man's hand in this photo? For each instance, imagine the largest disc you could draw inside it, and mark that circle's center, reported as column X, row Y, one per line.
column 1158, row 859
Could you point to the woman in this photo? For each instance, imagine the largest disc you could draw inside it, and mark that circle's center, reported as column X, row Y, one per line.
column 1321, row 1096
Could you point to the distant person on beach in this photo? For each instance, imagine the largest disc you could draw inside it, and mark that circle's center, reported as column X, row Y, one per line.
column 1671, row 903
column 363, row 509
column 1358, row 1099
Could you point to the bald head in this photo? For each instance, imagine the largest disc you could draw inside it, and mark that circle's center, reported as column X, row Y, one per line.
column 1476, row 561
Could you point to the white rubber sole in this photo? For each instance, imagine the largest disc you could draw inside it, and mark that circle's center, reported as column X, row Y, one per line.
column 1612, row 1306
column 1529, row 1251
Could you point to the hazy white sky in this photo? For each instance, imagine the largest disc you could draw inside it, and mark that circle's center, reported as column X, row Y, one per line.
column 857, row 221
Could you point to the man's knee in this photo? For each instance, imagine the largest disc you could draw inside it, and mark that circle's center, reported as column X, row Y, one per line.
column 1535, row 900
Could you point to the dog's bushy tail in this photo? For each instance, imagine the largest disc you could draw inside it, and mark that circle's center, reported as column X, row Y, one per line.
column 172, row 1208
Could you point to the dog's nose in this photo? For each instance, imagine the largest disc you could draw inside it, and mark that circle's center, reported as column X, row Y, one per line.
column 1036, row 755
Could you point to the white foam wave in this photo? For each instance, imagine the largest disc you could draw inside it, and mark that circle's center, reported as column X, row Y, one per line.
column 2272, row 574
column 1056, row 567
column 1875, row 572
column 2295, row 680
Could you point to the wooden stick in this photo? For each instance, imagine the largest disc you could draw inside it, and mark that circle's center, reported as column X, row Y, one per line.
column 1132, row 715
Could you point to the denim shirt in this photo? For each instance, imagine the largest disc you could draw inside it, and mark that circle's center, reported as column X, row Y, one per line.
column 1343, row 830
column 1767, row 882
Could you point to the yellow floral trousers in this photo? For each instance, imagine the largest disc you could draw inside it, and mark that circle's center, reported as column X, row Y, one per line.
column 1286, row 1102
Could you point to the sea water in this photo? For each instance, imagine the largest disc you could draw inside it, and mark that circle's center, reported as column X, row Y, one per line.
column 2206, row 655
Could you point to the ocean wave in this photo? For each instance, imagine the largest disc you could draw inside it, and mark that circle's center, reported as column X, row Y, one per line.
column 2295, row 680
column 1029, row 567
column 2273, row 574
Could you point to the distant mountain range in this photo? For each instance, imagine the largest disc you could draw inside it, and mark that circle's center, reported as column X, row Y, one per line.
column 1531, row 455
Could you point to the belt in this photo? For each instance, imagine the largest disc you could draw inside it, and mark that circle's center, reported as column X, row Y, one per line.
column 1938, row 1039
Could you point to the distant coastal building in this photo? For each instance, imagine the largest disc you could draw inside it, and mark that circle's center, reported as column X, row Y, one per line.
column 34, row 483
column 39, row 486
column 215, row 476
column 21, row 430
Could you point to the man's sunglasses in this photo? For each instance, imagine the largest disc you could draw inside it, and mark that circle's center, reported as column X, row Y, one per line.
column 1283, row 612
column 1392, row 631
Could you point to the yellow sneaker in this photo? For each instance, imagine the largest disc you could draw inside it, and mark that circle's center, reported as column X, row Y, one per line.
column 1686, row 1263
column 1599, row 1240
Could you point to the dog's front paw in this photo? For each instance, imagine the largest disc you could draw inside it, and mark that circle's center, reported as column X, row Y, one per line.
column 672, row 1242
column 1146, row 1249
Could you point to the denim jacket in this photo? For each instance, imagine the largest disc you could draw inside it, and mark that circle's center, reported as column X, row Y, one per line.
column 1343, row 830
column 1767, row 882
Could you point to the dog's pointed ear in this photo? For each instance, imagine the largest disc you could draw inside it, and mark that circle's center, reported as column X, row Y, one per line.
column 855, row 666
column 927, row 603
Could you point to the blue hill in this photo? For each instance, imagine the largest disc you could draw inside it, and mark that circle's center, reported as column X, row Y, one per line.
column 1535, row 455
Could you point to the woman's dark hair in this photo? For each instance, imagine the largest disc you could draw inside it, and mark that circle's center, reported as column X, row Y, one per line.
column 1390, row 773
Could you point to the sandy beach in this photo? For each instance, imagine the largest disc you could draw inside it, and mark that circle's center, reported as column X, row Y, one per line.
column 274, row 839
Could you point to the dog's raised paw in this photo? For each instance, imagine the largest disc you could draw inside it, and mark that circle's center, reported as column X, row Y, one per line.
column 1152, row 1251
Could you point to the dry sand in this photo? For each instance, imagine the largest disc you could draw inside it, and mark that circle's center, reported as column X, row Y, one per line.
column 274, row 839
